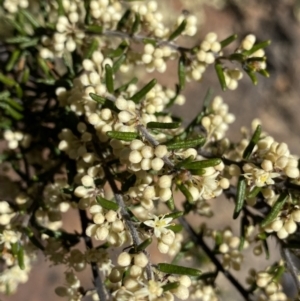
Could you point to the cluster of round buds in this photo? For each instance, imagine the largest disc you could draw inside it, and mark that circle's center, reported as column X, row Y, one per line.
column 107, row 226
column 155, row 58
column 14, row 139
column 12, row 6
column 277, row 157
column 151, row 19
column 13, row 275
column 74, row 147
column 232, row 76
column 248, row 42
column 270, row 290
column 229, row 247
column 72, row 288
column 9, row 237
column 76, row 260
column 285, row 224
column 191, row 24
column 108, row 14
column 164, row 235
column 208, row 48
column 6, row 213
column 216, row 123
column 146, row 157
column 203, row 292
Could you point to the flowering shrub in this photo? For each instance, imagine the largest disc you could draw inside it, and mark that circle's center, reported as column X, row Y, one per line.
column 83, row 132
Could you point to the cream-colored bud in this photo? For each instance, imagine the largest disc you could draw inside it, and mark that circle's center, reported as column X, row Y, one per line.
column 115, row 275
column 282, row 162
column 234, row 242
column 135, row 271
column 296, row 215
column 135, row 157
column 224, row 183
column 101, row 233
column 80, row 191
column 165, row 181
column 181, row 292
column 124, row 259
column 168, row 238
column 98, row 218
column 160, row 151
column 290, row 226
column 149, row 193
column 130, row 284
column 194, row 192
column 147, row 151
column 157, row 164
column 162, row 247
column 165, row 194
column 292, row 172
column 111, row 216
column 276, row 225
column 87, row 181
column 185, row 281
column 136, row 144
column 223, row 248
column 267, row 165
column 282, row 233
column 140, row 260
column 125, row 116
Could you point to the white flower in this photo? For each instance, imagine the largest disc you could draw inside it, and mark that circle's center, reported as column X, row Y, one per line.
column 159, row 224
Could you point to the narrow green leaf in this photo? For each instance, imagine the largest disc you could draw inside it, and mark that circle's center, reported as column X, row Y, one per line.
column 12, row 112
column 185, row 192
column 170, row 286
column 106, row 204
column 19, row 91
column 13, row 60
column 140, row 94
column 252, row 77
column 254, row 139
column 257, row 47
column 243, row 227
column 198, row 172
column 60, row 10
column 125, row 18
column 206, row 102
column 228, row 40
column 90, row 50
column 239, row 57
column 118, row 63
column 4, row 95
column 278, row 273
column 174, row 215
column 221, row 76
column 31, row 43
column 254, row 192
column 109, row 80
column 186, row 143
column 175, row 228
column 177, row 269
column 42, row 63
column 98, row 98
column 178, row 30
column 25, row 75
column 264, row 72
column 7, row 81
column 18, row 39
column 136, row 23
column 126, row 136
column 119, row 50
column 149, row 41
column 163, row 125
column 125, row 86
column 181, row 72
column 183, row 162
column 266, row 248
column 170, row 204
column 275, row 209
column 240, row 196
column 94, row 29
column 16, row 25
column 15, row 248
column 11, row 102
column 142, row 246
column 20, row 256
column 203, row 164
column 68, row 60
column 30, row 18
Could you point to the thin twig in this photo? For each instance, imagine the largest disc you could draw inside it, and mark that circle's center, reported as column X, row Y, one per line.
column 197, row 239
column 89, row 245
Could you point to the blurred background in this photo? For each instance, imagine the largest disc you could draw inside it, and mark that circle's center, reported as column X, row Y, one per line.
column 274, row 100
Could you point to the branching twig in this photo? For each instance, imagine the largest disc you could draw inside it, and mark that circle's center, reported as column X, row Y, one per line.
column 89, row 245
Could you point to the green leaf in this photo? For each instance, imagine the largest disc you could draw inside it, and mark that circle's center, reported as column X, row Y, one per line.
column 174, row 215
column 109, row 80
column 60, row 10
column 11, row 111
column 170, row 286
column 181, row 72
column 104, row 101
column 177, row 269
column 118, row 63
column 94, row 29
column 198, row 172
column 20, row 257
column 90, row 50
column 13, row 60
column 124, row 20
column 203, row 164
column 119, row 50
column 126, row 136
column 178, row 30
column 186, row 143
column 275, row 209
column 228, row 40
column 254, row 192
column 257, row 47
column 264, row 72
column 136, row 23
column 252, row 77
column 13, row 104
column 185, row 192
column 243, row 227
column 240, row 196
column 183, row 162
column 254, row 139
column 175, row 228
column 221, row 76
column 142, row 246
column 4, row 95
column 239, row 57
column 170, row 204
column 106, row 204
column 140, row 94
column 163, row 125
column 18, row 39
column 25, row 75
column 7, row 80
column 266, row 248
column 44, row 66
column 30, row 18
column 31, row 43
